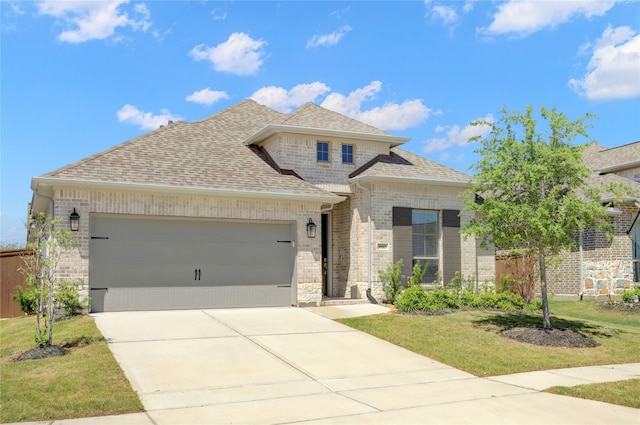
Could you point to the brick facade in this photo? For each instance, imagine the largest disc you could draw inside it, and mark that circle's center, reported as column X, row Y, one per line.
column 87, row 202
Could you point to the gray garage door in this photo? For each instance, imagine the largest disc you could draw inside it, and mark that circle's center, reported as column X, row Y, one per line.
column 149, row 264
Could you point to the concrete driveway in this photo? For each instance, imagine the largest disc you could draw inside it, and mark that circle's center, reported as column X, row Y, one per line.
column 290, row 365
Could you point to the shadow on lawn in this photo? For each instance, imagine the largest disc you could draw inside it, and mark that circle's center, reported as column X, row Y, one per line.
column 82, row 341
column 506, row 321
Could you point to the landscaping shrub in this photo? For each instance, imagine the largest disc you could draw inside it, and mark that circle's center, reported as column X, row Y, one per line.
column 26, row 298
column 417, row 298
column 67, row 297
column 414, row 298
column 628, row 296
column 417, row 274
column 391, row 281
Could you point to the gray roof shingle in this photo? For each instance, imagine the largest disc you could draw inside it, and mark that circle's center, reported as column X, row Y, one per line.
column 203, row 154
column 402, row 164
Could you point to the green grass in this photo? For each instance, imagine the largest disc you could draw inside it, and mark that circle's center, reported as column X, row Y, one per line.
column 471, row 340
column 625, row 393
column 85, row 382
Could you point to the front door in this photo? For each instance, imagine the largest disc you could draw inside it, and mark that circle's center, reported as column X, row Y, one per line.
column 326, row 255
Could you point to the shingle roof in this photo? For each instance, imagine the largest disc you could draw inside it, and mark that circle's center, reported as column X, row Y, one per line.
column 598, row 157
column 314, row 116
column 402, row 164
column 210, row 154
column 203, row 154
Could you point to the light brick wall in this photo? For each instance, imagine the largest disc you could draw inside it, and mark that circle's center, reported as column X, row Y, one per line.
column 385, row 196
column 298, row 152
column 76, row 265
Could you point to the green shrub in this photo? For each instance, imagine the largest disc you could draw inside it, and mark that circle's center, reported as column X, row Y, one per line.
column 67, row 297
column 26, row 298
column 417, row 274
column 414, row 298
column 391, row 281
column 627, row 296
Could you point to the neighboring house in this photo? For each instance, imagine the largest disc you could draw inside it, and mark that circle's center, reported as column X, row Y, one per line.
column 222, row 213
column 600, row 266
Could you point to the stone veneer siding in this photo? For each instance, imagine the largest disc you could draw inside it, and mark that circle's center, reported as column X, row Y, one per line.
column 76, row 265
column 351, row 270
column 607, row 264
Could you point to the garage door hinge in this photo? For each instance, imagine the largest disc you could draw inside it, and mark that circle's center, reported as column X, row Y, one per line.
column 99, row 237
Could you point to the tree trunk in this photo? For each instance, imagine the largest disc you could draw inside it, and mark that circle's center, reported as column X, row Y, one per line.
column 546, row 319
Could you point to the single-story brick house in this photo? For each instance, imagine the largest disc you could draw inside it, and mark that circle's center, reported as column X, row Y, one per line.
column 222, row 213
column 599, row 266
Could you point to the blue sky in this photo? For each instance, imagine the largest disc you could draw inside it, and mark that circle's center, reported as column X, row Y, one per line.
column 79, row 77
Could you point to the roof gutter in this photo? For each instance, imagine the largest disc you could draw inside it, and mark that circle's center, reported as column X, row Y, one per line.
column 328, row 198
column 272, row 129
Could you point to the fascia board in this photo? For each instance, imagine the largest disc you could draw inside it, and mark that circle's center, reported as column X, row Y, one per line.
column 272, row 129
column 618, row 167
column 413, row 180
column 47, row 182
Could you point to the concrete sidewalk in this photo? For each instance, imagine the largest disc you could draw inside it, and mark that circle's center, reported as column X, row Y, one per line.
column 284, row 366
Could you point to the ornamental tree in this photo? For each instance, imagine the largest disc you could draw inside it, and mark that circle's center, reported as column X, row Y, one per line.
column 48, row 244
column 532, row 187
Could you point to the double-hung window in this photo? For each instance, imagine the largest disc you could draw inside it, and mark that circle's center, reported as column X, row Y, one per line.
column 323, row 151
column 424, row 229
column 347, row 154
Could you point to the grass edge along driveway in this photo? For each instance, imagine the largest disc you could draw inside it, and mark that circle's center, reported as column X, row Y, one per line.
column 84, row 383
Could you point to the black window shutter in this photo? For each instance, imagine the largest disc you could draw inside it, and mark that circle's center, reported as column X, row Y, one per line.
column 401, row 216
column 451, row 218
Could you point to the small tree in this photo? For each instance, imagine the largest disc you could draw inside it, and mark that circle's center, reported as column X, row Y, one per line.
column 48, row 245
column 534, row 187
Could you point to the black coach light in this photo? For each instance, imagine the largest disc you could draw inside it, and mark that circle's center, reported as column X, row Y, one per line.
column 74, row 221
column 311, row 229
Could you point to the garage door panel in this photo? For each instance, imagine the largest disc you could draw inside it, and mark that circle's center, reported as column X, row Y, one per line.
column 148, row 262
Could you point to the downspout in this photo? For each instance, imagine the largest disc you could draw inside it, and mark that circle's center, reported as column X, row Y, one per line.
column 581, row 267
column 369, row 282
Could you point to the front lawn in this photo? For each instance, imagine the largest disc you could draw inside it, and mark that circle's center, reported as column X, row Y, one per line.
column 85, row 382
column 471, row 340
column 625, row 393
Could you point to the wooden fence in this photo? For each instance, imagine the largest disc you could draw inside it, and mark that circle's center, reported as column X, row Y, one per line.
column 11, row 278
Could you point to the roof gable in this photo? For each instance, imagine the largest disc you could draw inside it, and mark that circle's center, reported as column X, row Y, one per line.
column 313, row 116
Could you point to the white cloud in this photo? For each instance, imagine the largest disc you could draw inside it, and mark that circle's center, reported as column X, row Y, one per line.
column 206, row 96
column 328, row 39
column 240, row 54
column 529, row 16
column 446, row 14
column 614, row 69
column 145, row 120
column 454, row 136
column 390, row 116
column 89, row 20
column 284, row 100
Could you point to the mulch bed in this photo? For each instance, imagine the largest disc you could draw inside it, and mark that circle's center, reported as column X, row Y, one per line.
column 551, row 337
column 41, row 353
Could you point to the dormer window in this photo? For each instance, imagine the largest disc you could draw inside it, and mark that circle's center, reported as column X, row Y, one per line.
column 347, row 154
column 323, row 151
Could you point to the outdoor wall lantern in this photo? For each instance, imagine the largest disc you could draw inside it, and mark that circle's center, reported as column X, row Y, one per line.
column 74, row 221
column 311, row 229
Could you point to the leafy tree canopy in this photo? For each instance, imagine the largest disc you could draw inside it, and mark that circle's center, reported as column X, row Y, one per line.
column 533, row 184
column 533, row 187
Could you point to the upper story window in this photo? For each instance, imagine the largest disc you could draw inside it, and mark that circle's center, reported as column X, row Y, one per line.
column 347, row 154
column 323, row 151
